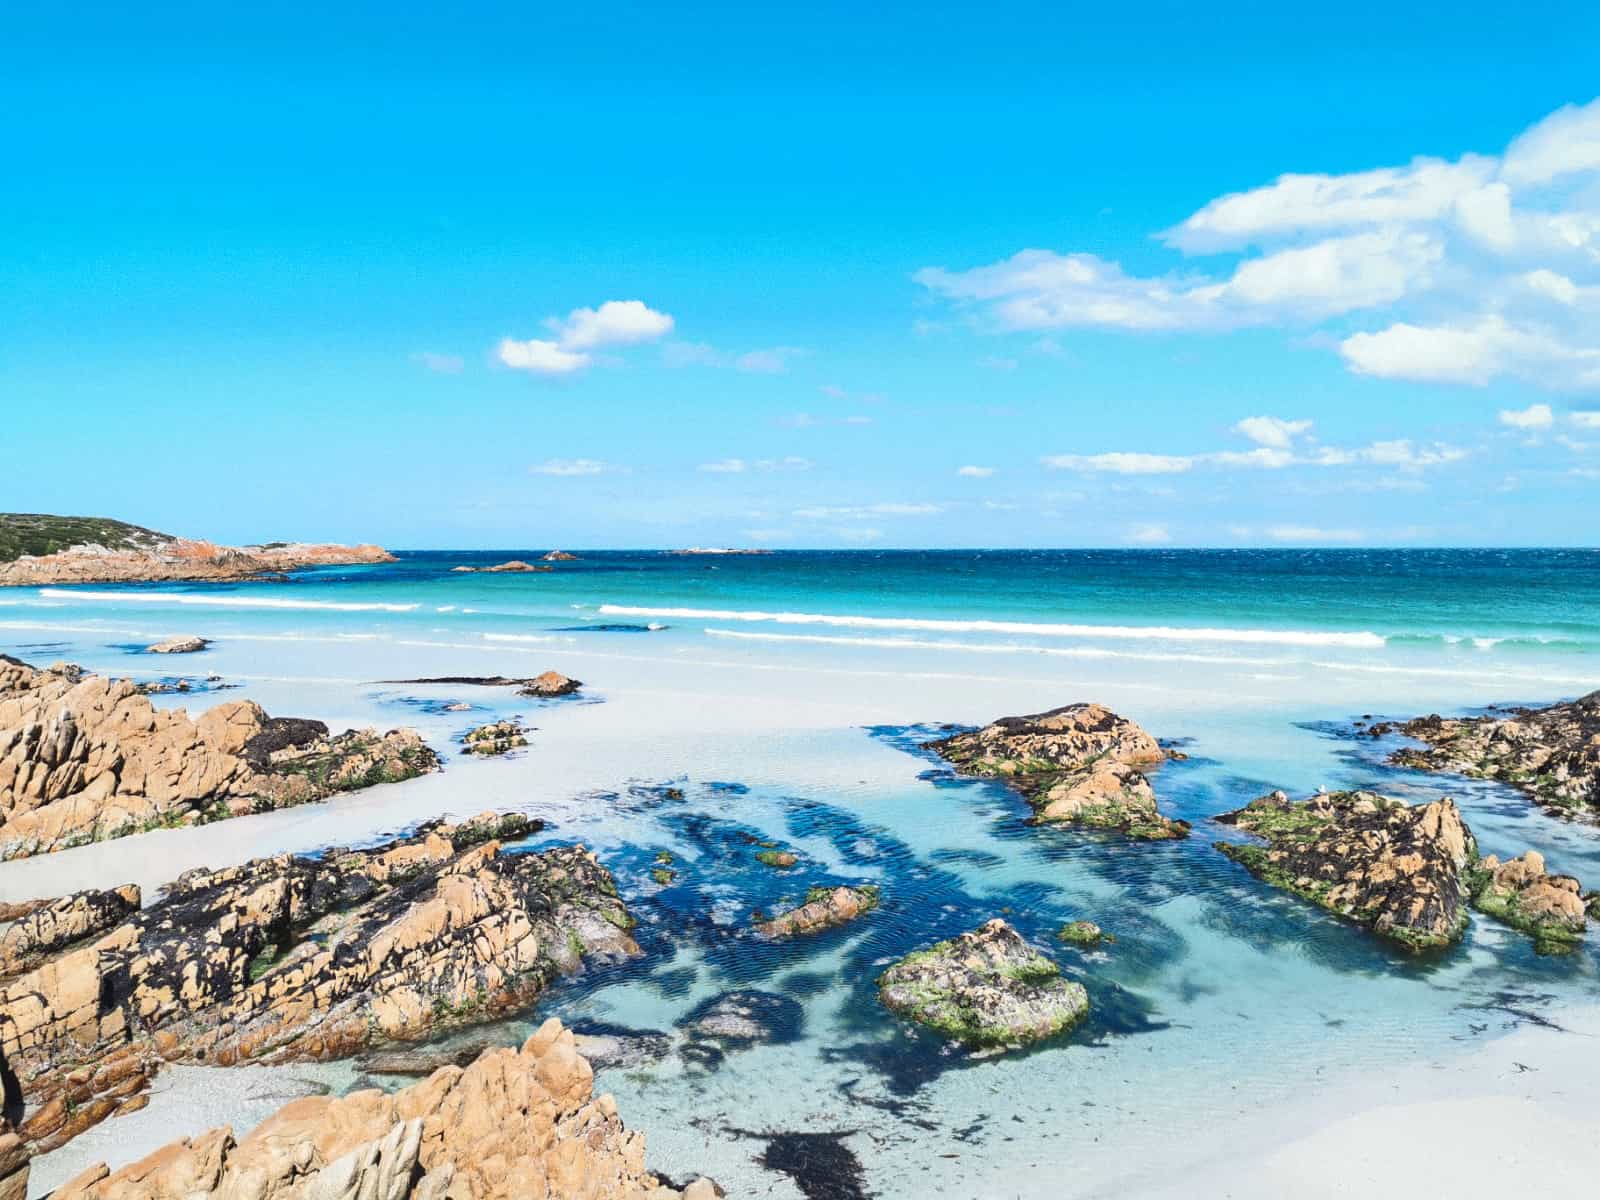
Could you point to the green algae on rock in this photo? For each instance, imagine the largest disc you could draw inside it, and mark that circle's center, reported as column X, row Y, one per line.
column 1397, row 869
column 986, row 988
column 1083, row 933
column 1550, row 754
column 1549, row 908
column 1078, row 765
column 823, row 908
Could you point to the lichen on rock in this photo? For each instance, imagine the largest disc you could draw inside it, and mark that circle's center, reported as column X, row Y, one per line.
column 985, row 988
column 1394, row 868
column 496, row 737
column 295, row 958
column 1079, row 764
column 823, row 908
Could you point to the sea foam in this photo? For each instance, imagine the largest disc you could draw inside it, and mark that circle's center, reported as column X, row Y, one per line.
column 224, row 601
column 1282, row 637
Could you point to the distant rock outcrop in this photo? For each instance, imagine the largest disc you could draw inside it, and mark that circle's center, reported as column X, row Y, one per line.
column 179, row 645
column 514, row 1125
column 295, row 958
column 1552, row 754
column 1398, row 869
column 985, row 988
column 84, row 758
column 497, row 737
column 559, row 556
column 515, row 566
column 1078, row 764
column 39, row 550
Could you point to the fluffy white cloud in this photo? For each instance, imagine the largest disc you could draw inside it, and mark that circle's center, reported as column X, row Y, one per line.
column 723, row 466
column 1303, row 534
column 568, row 467
column 1585, row 420
column 1272, row 431
column 737, row 466
column 975, row 472
column 1462, row 271
column 1120, row 462
column 1535, row 416
column 540, row 356
column 614, row 323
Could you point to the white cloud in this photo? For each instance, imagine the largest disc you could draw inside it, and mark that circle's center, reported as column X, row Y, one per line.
column 1585, row 420
column 1302, row 534
column 1272, row 431
column 1148, row 535
column 541, row 357
column 975, row 472
column 1535, row 416
column 614, row 323
column 852, row 512
column 723, row 466
column 439, row 364
column 1453, row 272
column 1121, row 463
column 737, row 466
column 571, row 467
column 771, row 361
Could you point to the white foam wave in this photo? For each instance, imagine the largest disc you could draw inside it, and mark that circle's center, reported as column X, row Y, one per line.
column 987, row 647
column 516, row 637
column 1283, row 637
column 225, row 601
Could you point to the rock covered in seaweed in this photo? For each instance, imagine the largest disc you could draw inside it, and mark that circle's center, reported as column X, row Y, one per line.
column 295, row 958
column 549, row 685
column 51, row 925
column 1519, row 892
column 494, row 738
column 86, row 757
column 1398, row 869
column 1551, row 754
column 514, row 1125
column 823, row 908
column 1077, row 764
column 984, row 988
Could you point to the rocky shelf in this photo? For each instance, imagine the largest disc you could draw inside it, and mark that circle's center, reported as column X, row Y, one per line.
column 84, row 758
column 292, row 958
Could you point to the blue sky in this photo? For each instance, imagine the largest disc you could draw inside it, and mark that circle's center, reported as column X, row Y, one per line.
column 920, row 275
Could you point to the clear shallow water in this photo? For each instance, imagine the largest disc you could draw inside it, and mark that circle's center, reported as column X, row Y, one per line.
column 1219, row 997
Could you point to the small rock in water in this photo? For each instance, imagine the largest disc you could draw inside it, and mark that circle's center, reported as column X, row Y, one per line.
column 178, row 645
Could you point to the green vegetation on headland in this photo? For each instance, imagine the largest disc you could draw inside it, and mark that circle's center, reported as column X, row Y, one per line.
column 38, row 534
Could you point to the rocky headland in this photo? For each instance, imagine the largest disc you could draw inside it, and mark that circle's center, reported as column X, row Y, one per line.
column 514, row 1125
column 986, row 988
column 823, row 908
column 85, row 757
column 38, row 550
column 1551, row 754
column 296, row 958
column 1079, row 764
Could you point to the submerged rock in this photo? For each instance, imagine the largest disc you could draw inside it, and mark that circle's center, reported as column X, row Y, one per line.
column 1520, row 893
column 295, row 958
column 513, row 1125
column 84, row 758
column 1551, row 754
column 781, row 860
column 1398, row 869
column 179, row 645
column 1083, row 933
column 1078, row 764
column 984, row 988
column 515, row 566
column 495, row 738
column 824, row 907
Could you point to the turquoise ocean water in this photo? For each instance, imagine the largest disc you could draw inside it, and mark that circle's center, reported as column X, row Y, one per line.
column 1219, row 997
